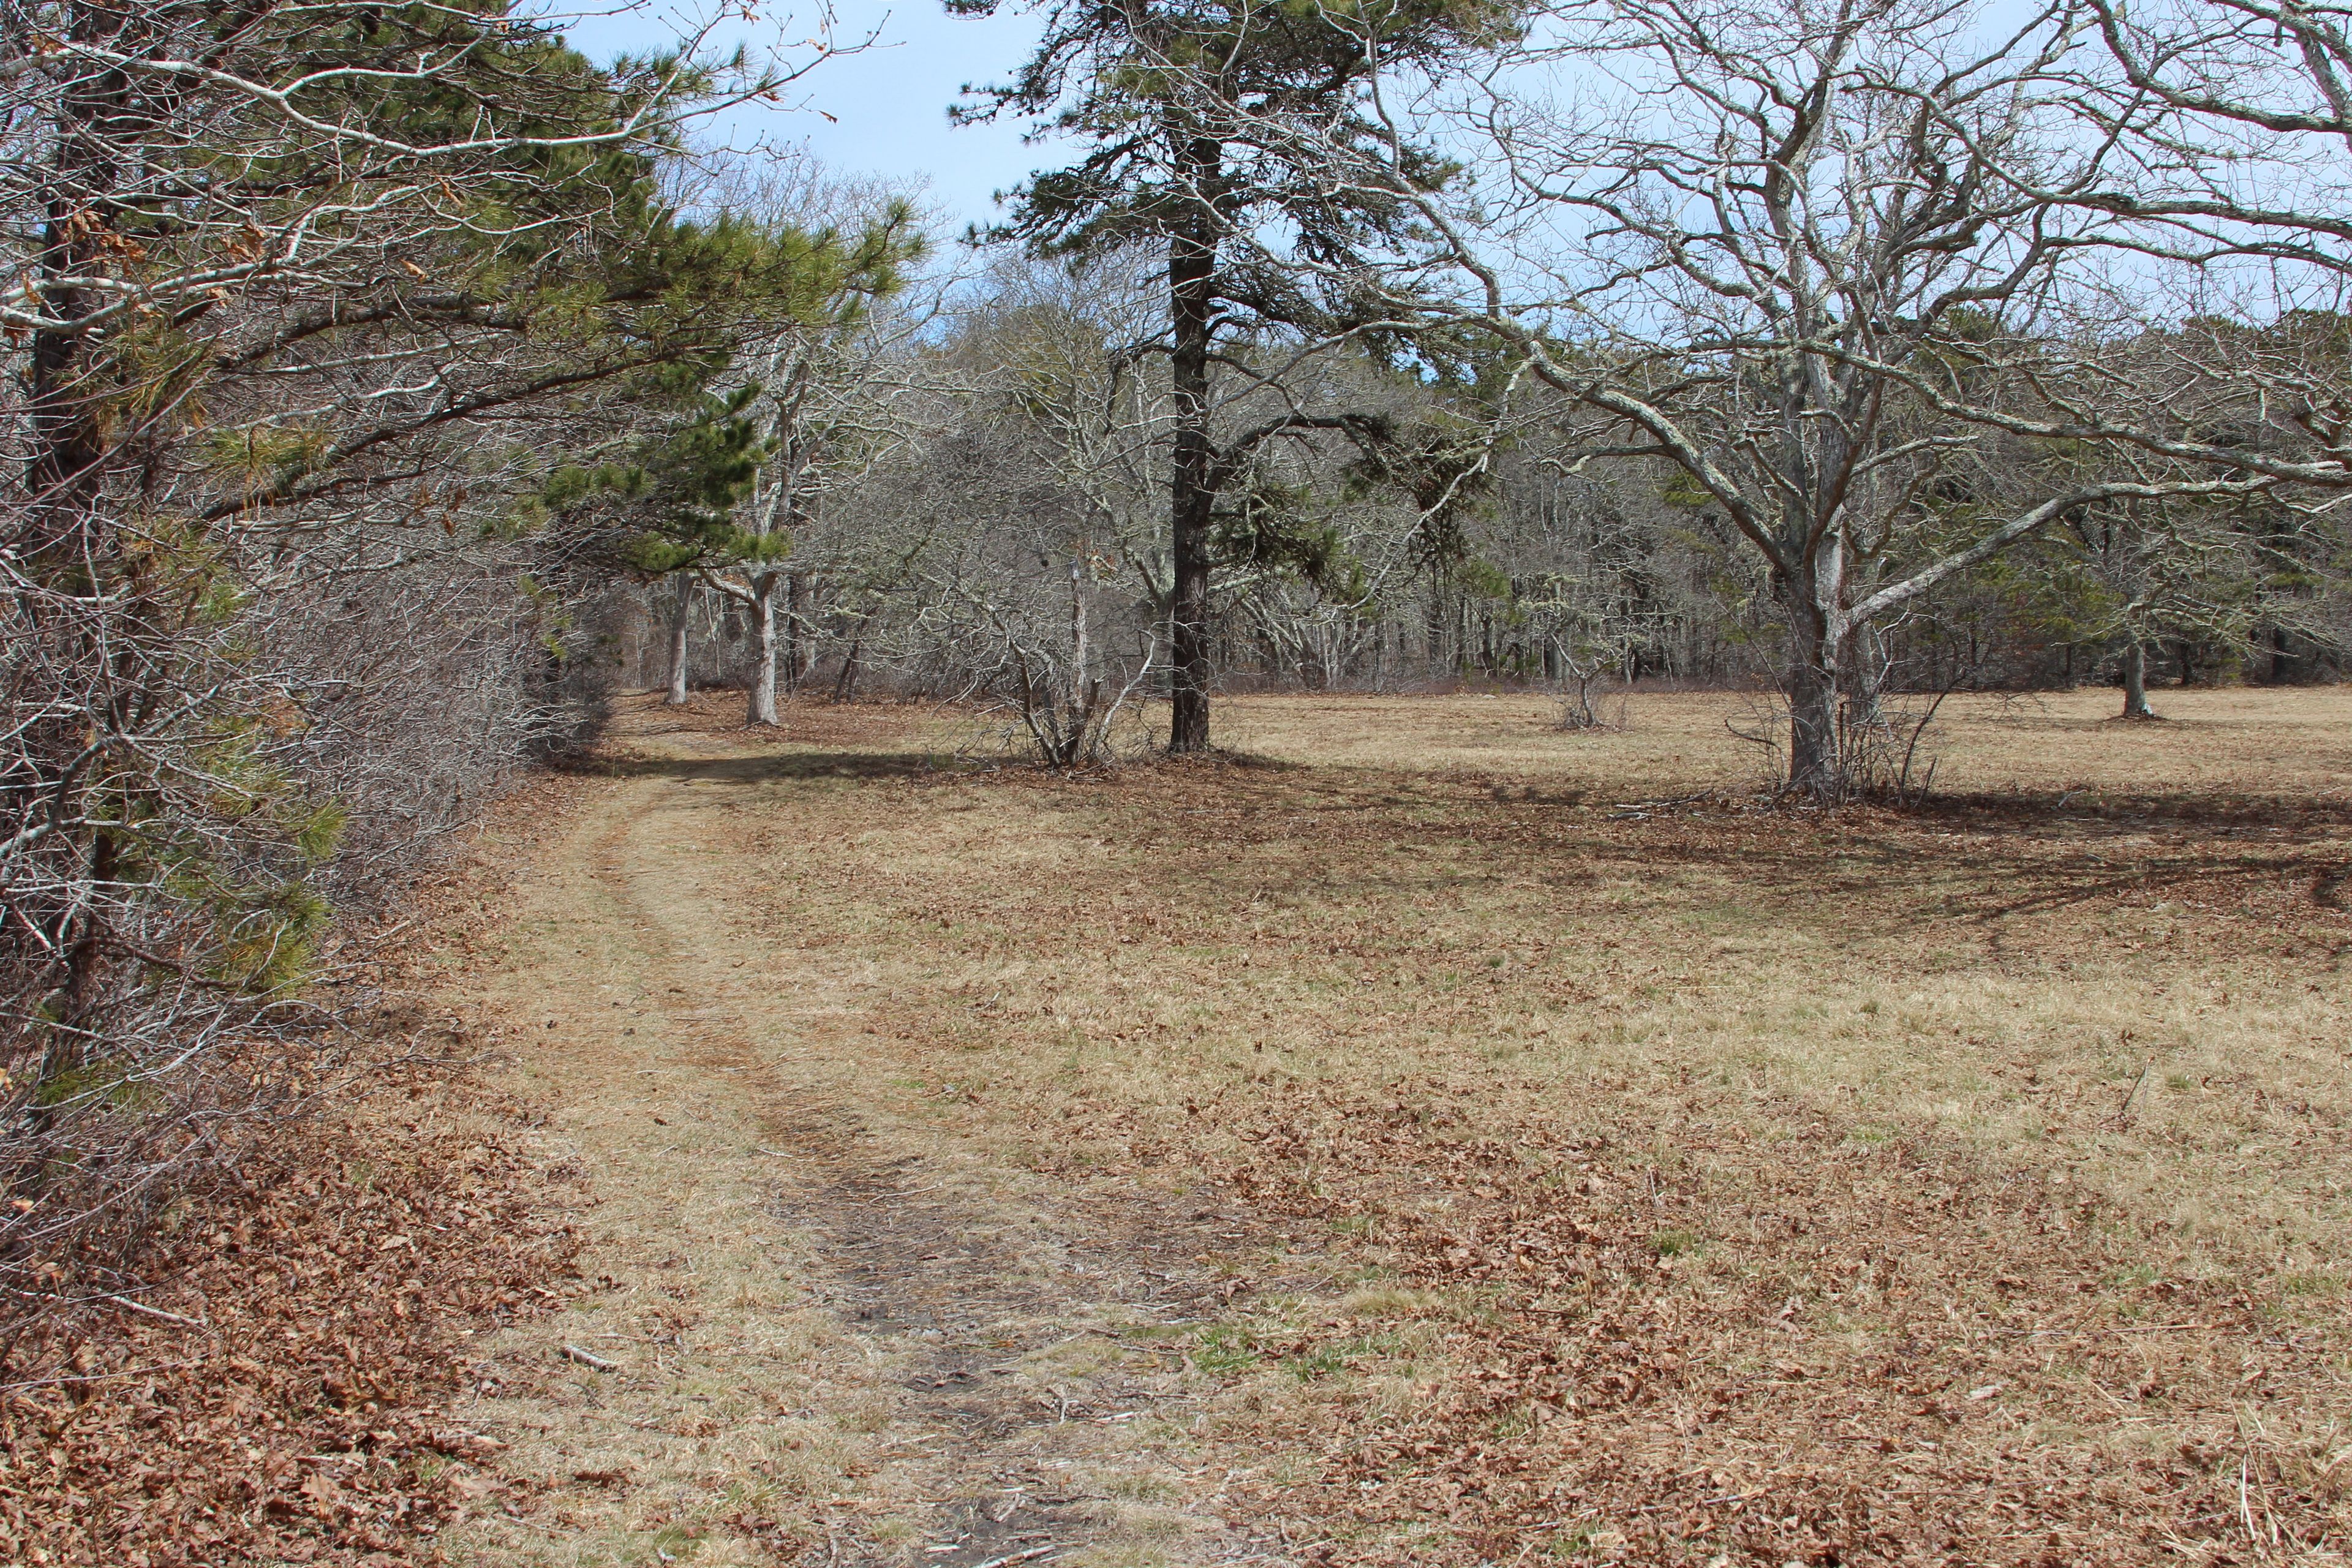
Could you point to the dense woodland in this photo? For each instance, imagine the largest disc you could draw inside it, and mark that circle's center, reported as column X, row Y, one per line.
column 388, row 384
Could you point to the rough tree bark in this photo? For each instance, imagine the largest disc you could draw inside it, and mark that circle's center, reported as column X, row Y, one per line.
column 1812, row 598
column 1812, row 693
column 1191, row 273
column 2136, row 680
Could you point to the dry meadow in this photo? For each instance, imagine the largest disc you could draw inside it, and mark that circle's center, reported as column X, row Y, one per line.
column 1459, row 1142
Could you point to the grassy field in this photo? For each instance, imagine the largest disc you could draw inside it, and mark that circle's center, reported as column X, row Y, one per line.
column 1589, row 1161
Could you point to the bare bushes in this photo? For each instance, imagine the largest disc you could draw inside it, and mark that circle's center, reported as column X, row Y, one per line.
column 1065, row 703
column 194, row 793
column 155, row 862
column 274, row 615
column 1580, row 710
column 422, row 685
column 1880, row 736
column 1049, row 686
column 1587, row 651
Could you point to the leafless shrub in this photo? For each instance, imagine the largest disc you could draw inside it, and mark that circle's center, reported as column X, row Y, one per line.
column 1067, row 696
column 289, row 366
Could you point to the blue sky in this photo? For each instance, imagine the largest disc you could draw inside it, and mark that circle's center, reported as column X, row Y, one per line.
column 888, row 104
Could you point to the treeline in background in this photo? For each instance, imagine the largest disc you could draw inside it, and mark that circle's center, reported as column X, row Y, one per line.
column 1017, row 485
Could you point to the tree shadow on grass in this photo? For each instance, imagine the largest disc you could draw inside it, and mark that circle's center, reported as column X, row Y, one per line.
column 2071, row 852
column 771, row 767
column 2023, row 854
column 2092, row 813
column 1872, row 873
column 1981, row 861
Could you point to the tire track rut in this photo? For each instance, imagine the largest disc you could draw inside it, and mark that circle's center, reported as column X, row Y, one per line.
column 1024, row 1390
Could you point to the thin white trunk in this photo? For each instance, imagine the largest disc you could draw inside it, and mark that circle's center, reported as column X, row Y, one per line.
column 763, row 672
column 680, row 622
column 1077, row 624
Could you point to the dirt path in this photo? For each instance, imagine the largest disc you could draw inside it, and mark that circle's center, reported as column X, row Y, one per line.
column 825, row 1335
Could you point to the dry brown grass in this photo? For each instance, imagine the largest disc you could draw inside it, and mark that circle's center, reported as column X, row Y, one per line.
column 1744, row 1147
column 2285, row 742
column 1696, row 1183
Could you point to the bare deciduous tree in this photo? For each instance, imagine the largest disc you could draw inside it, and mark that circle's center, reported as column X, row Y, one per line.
column 1802, row 268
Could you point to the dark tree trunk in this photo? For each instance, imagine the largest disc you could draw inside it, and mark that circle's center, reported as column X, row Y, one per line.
column 72, row 548
column 1191, row 289
column 85, row 964
column 797, row 644
column 68, row 448
column 845, row 685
